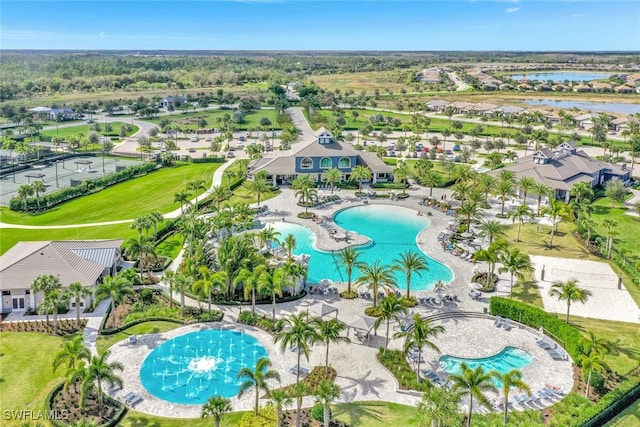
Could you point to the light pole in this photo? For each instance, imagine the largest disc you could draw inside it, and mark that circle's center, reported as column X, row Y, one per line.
column 57, row 185
column 103, row 153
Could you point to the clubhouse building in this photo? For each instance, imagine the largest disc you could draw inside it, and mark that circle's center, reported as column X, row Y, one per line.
column 316, row 158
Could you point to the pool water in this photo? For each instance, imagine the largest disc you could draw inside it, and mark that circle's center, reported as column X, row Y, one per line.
column 574, row 76
column 391, row 229
column 191, row 368
column 509, row 358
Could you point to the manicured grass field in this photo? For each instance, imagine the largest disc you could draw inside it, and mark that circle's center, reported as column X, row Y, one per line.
column 190, row 119
column 106, row 341
column 127, row 200
column 27, row 376
column 628, row 227
column 630, row 417
column 11, row 236
column 65, row 132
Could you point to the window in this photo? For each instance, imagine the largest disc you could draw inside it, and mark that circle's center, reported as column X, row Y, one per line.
column 325, row 163
column 344, row 162
column 306, row 163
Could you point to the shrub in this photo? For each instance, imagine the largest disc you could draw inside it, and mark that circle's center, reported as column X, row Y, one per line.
column 349, row 295
column 611, row 404
column 266, row 417
column 306, row 215
column 395, row 361
column 317, row 412
column 373, row 311
column 408, row 302
column 146, row 295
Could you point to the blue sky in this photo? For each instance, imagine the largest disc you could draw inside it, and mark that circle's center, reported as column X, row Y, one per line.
column 322, row 25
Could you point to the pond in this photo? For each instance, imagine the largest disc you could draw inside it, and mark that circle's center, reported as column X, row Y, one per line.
column 572, row 76
column 605, row 107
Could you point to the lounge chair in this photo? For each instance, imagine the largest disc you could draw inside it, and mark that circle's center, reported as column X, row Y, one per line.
column 128, row 397
column 557, row 354
column 135, row 399
column 554, row 390
column 133, row 340
column 507, row 325
column 498, row 322
column 294, row 349
column 302, row 370
column 519, row 400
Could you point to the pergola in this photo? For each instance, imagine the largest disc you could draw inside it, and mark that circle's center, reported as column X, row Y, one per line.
column 321, row 309
column 83, row 162
column 34, row 175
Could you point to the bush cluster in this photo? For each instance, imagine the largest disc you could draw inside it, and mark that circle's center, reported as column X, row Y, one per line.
column 396, row 362
column 611, row 403
column 258, row 320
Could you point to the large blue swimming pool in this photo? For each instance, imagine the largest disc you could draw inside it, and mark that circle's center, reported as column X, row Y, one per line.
column 392, row 231
column 196, row 366
column 509, row 358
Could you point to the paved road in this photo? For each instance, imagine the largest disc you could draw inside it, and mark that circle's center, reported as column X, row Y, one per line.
column 460, row 85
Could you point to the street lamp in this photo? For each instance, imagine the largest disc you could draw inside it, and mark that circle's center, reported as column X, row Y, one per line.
column 57, row 185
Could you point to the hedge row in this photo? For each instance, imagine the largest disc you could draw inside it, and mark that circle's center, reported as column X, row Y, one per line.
column 48, row 201
column 59, row 423
column 536, row 318
column 208, row 160
column 611, row 404
column 112, row 331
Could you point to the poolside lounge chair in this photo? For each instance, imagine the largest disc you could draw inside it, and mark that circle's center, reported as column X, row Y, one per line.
column 557, row 354
column 302, row 370
column 519, row 400
column 128, row 396
column 507, row 325
column 133, row 340
column 294, row 348
column 498, row 322
column 135, row 399
column 554, row 390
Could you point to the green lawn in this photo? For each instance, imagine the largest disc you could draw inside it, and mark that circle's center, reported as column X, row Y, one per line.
column 127, row 200
column 630, row 417
column 170, row 247
column 27, row 376
column 190, row 120
column 376, row 414
column 628, row 227
column 65, row 132
column 106, row 341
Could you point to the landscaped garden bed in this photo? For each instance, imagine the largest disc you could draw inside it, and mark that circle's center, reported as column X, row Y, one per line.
column 396, row 362
column 259, row 321
column 65, row 327
column 482, row 279
column 69, row 402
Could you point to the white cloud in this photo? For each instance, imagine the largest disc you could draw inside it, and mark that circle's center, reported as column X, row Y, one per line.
column 512, row 9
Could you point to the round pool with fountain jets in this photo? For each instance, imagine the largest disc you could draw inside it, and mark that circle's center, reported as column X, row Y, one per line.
column 191, row 368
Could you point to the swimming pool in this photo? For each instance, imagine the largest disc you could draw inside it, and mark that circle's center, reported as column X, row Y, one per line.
column 391, row 229
column 191, row 368
column 509, row 358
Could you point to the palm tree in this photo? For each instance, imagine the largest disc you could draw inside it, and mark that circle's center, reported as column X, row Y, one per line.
column 401, row 175
column 77, row 292
column 332, row 176
column 590, row 362
column 516, row 264
column 182, row 197
column 390, row 308
column 210, row 281
column 419, row 336
column 279, row 398
column 493, row 229
column 556, row 210
column 141, row 248
column 24, row 192
column 360, row 173
column 581, row 191
column 250, row 280
column 504, row 190
column 154, row 219
column 100, row 371
column 526, row 184
column 268, row 235
column 141, row 224
column 491, row 255
column 326, row 392
column 474, row 383
column 375, row 275
column 72, row 353
column 306, row 195
column 46, row 283
column 589, row 223
column 521, row 213
column 115, row 288
column 486, row 184
column 56, row 299
column 462, row 190
column 542, row 190
column 469, row 210
column 38, row 187
column 509, row 380
column 410, row 262
column 219, row 194
column 610, row 224
column 272, row 282
column 258, row 187
column 195, row 186
column 569, row 291
column 347, row 258
column 440, row 406
column 289, row 244
column 299, row 391
column 182, row 283
column 329, row 331
column 215, row 408
column 297, row 333
column 257, row 378
column 430, row 178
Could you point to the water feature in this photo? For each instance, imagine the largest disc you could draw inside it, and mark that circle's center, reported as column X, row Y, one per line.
column 191, row 368
column 392, row 230
column 605, row 107
column 509, row 358
column 561, row 76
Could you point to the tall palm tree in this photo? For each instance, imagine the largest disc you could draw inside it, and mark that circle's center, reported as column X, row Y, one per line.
column 462, row 190
column 347, row 258
column 46, row 283
column 219, row 194
column 410, row 262
column 100, row 371
column 56, row 299
column 209, row 282
column 327, row 392
column 24, row 192
column 509, row 380
column 542, row 190
column 374, row 276
column 38, row 188
column 430, row 178
column 440, row 406
column 154, row 219
column 298, row 332
column 332, row 176
column 556, row 211
column 72, row 354
column 257, row 378
column 526, row 184
column 215, row 408
column 485, row 185
column 390, row 308
column 419, row 336
column 115, row 288
column 250, row 280
column 195, row 186
column 258, row 187
column 77, row 292
column 182, row 197
column 306, row 196
column 491, row 255
column 516, row 264
column 473, row 383
column 493, row 229
column 520, row 214
column 592, row 361
column 581, row 191
column 469, row 210
column 182, row 283
column 401, row 174
column 589, row 223
column 289, row 244
column 272, row 283
column 140, row 248
column 504, row 190
column 610, row 225
column 329, row 331
column 279, row 398
column 299, row 391
column 141, row 224
column 569, row 291
column 360, row 173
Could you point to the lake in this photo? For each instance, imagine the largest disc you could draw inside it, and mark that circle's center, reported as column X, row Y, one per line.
column 605, row 107
column 573, row 76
